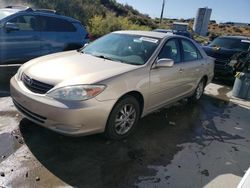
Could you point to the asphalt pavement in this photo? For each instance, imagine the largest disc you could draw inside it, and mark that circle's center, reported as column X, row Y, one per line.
column 206, row 144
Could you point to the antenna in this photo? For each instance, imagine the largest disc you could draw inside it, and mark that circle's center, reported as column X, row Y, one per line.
column 162, row 10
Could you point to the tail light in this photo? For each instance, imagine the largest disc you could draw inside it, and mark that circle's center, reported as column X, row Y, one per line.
column 89, row 36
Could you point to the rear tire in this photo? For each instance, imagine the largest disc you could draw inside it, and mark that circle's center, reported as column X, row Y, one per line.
column 198, row 91
column 123, row 118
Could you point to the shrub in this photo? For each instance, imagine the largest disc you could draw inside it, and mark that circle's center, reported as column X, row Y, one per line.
column 236, row 29
column 101, row 25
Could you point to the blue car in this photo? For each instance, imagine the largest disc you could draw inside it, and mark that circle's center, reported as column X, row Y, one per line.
column 26, row 33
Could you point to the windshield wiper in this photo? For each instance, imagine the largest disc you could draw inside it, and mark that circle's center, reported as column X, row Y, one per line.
column 131, row 63
column 103, row 57
column 107, row 58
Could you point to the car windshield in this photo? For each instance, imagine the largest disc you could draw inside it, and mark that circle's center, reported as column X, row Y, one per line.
column 4, row 13
column 130, row 49
column 231, row 43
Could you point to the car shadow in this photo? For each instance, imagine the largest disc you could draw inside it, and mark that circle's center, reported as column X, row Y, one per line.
column 94, row 161
column 6, row 73
column 226, row 82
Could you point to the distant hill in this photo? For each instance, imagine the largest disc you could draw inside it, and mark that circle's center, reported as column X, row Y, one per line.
column 84, row 10
column 104, row 16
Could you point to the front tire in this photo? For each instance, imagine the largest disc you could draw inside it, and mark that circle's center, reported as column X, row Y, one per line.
column 198, row 91
column 123, row 118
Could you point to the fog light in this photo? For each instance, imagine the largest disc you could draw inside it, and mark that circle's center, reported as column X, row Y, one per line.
column 68, row 128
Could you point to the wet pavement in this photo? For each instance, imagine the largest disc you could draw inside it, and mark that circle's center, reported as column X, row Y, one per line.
column 188, row 145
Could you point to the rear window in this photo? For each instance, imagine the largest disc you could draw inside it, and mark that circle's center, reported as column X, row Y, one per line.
column 190, row 52
column 50, row 24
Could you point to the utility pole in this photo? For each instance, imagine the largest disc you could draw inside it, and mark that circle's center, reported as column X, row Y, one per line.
column 162, row 10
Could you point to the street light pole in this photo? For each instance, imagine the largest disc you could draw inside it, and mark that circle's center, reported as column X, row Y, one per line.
column 162, row 10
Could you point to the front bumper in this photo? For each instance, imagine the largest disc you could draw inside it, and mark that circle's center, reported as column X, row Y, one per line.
column 69, row 118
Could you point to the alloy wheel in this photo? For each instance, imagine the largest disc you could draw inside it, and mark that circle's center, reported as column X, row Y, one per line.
column 125, row 119
column 199, row 90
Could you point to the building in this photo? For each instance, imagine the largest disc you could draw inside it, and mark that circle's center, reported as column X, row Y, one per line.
column 202, row 20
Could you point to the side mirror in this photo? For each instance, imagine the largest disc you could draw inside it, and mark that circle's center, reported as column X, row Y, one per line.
column 11, row 27
column 206, row 43
column 85, row 45
column 165, row 63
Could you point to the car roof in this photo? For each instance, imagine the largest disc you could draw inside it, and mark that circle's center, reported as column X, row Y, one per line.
column 56, row 16
column 171, row 30
column 152, row 34
column 43, row 12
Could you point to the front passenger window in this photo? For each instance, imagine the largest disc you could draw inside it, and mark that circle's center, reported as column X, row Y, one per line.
column 171, row 51
column 25, row 23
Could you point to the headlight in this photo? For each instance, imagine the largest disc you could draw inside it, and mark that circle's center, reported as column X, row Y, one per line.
column 77, row 93
column 19, row 73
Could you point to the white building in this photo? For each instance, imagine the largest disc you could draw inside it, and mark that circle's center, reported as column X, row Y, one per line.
column 202, row 20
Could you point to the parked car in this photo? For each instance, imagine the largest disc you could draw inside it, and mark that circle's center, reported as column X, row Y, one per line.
column 223, row 49
column 26, row 33
column 108, row 85
column 245, row 181
column 176, row 32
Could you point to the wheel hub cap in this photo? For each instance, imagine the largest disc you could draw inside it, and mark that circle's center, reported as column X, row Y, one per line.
column 125, row 119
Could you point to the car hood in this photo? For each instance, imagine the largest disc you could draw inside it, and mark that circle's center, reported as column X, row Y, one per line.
column 71, row 68
column 219, row 53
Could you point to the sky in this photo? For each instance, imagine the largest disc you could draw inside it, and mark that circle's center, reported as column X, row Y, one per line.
column 222, row 10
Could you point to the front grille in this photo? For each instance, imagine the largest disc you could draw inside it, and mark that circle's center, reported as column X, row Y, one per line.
column 28, row 113
column 35, row 86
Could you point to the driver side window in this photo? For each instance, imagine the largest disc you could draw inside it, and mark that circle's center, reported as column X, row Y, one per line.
column 171, row 50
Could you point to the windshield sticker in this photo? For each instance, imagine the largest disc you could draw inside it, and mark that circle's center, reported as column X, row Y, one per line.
column 246, row 41
column 149, row 39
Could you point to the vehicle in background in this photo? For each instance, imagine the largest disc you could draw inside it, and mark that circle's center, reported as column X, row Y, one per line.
column 175, row 32
column 26, row 33
column 223, row 49
column 108, row 85
column 245, row 181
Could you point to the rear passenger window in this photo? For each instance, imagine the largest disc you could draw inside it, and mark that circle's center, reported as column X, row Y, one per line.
column 171, row 51
column 190, row 52
column 50, row 24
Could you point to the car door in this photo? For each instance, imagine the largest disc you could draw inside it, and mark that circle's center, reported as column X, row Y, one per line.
column 56, row 34
column 166, row 83
column 193, row 65
column 23, row 43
